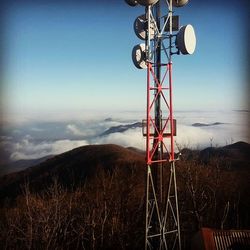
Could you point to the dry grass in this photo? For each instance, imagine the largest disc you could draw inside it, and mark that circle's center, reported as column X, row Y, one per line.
column 107, row 212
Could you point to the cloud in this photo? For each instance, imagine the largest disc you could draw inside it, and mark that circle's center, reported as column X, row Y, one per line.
column 192, row 137
column 58, row 137
column 37, row 129
column 187, row 136
column 73, row 129
column 28, row 149
column 130, row 138
column 90, row 129
column 219, row 135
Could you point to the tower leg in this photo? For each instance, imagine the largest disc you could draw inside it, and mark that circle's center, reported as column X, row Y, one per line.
column 162, row 230
column 162, row 227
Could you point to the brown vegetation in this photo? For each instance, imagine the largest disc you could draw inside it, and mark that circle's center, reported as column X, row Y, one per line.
column 210, row 196
column 107, row 210
column 104, row 213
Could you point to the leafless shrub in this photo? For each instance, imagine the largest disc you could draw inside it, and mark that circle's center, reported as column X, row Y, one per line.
column 107, row 212
column 102, row 214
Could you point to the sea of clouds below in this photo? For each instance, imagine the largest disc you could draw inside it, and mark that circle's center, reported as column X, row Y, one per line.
column 32, row 140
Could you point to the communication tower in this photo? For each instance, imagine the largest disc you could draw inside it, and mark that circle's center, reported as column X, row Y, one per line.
column 159, row 28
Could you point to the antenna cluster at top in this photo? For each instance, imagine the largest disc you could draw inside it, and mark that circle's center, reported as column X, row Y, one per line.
column 147, row 28
column 176, row 3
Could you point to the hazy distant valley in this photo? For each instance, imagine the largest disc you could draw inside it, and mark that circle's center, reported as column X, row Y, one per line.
column 35, row 140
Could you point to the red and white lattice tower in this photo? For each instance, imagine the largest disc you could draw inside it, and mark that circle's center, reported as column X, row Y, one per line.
column 162, row 224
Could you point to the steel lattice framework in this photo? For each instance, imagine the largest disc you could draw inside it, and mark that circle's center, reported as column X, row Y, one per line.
column 162, row 227
column 162, row 216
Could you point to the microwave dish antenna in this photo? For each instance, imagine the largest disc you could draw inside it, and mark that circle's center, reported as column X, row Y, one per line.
column 186, row 40
column 139, row 56
column 179, row 3
column 147, row 2
column 141, row 29
column 131, row 2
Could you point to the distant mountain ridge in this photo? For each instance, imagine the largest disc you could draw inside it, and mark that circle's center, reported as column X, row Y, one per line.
column 233, row 156
column 71, row 168
column 206, row 124
column 121, row 128
column 74, row 166
column 19, row 165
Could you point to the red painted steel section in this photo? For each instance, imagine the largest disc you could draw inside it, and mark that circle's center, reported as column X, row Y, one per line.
column 148, row 116
column 171, row 112
column 164, row 90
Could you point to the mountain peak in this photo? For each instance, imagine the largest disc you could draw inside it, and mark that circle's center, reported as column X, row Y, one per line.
column 72, row 167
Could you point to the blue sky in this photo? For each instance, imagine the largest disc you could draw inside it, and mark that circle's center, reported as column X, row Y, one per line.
column 66, row 67
column 62, row 58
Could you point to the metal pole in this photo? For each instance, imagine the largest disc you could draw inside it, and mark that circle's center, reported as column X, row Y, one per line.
column 172, row 156
column 157, row 167
column 157, row 173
